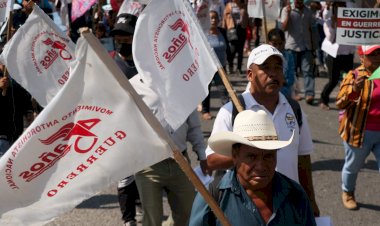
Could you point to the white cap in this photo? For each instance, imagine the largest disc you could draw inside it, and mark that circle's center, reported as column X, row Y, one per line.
column 260, row 54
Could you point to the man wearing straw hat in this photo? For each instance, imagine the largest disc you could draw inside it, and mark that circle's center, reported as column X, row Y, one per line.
column 253, row 193
column 265, row 74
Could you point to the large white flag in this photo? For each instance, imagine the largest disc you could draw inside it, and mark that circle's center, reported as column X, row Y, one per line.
column 38, row 56
column 172, row 53
column 91, row 134
column 5, row 7
column 272, row 9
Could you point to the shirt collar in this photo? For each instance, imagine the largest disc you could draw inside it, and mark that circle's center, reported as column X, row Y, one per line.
column 250, row 102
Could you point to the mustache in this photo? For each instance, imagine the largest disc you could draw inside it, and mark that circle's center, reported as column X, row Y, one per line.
column 274, row 81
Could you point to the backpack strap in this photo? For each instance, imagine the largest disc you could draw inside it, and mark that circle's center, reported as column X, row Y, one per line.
column 234, row 109
column 297, row 110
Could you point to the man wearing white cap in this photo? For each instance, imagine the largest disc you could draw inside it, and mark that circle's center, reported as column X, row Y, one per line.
column 253, row 193
column 265, row 73
column 360, row 123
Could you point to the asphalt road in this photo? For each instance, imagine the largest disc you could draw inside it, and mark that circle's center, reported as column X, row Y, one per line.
column 327, row 162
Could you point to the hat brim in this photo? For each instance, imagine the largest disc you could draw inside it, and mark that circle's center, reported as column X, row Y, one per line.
column 367, row 51
column 222, row 142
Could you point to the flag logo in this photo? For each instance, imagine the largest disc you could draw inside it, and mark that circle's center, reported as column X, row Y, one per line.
column 52, row 46
column 79, row 130
column 179, row 30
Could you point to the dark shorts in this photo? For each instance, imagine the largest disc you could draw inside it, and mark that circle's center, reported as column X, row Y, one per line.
column 255, row 22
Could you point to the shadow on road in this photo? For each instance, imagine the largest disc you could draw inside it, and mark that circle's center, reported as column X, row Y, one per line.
column 369, row 206
column 324, row 142
column 100, row 202
column 337, row 164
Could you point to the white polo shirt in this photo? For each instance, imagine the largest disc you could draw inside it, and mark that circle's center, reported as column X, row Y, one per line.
column 285, row 122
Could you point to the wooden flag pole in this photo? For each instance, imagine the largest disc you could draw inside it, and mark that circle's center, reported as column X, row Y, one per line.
column 9, row 35
column 155, row 124
column 230, row 90
column 265, row 22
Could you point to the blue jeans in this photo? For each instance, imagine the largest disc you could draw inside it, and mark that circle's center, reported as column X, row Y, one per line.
column 305, row 60
column 355, row 158
column 4, row 146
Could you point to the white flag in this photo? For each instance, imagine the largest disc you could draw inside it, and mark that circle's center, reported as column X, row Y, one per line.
column 272, row 9
column 92, row 134
column 5, row 7
column 38, row 56
column 174, row 57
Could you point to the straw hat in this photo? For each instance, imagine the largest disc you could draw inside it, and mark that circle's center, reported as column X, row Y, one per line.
column 252, row 128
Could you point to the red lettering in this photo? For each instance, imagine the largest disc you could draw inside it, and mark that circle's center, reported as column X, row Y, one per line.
column 53, row 192
column 62, row 184
column 91, row 159
column 82, row 167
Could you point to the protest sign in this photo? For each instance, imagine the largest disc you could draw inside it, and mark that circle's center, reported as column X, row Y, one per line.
column 358, row 26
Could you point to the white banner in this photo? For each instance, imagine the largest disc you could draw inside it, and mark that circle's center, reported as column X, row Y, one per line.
column 272, row 9
column 38, row 56
column 358, row 26
column 5, row 8
column 91, row 135
column 173, row 55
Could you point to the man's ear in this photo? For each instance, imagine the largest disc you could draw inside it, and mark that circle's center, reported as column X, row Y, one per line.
column 250, row 75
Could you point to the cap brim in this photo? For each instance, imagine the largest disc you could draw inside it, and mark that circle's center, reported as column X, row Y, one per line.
column 222, row 142
column 370, row 50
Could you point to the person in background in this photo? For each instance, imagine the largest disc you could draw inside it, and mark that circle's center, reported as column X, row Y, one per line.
column 218, row 41
column 360, row 124
column 297, row 21
column 128, row 195
column 257, row 23
column 45, row 5
column 253, row 193
column 123, row 36
column 236, row 16
column 100, row 30
column 218, row 6
column 342, row 63
column 15, row 105
column 276, row 38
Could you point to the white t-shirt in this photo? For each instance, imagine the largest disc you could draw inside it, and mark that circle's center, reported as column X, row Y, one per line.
column 285, row 122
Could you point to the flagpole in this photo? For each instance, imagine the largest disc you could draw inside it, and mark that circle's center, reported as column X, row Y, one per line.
column 221, row 71
column 9, row 35
column 265, row 22
column 155, row 124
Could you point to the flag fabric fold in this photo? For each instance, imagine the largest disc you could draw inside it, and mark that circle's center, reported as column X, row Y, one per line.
column 90, row 135
column 172, row 54
column 38, row 56
column 5, row 7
